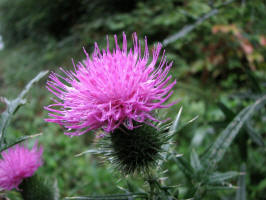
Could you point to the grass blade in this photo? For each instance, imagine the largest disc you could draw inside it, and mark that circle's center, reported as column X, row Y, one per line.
column 184, row 167
column 111, row 197
column 241, row 192
column 229, row 114
column 218, row 177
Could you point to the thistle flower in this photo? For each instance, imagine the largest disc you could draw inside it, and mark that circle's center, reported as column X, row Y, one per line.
column 110, row 89
column 18, row 163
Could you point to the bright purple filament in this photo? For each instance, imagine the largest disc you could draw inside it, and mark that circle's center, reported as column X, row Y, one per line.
column 110, row 89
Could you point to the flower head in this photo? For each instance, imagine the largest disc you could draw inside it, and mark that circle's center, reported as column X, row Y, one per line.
column 17, row 163
column 111, row 88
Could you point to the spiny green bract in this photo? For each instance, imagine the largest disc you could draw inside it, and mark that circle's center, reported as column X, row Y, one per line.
column 35, row 188
column 135, row 150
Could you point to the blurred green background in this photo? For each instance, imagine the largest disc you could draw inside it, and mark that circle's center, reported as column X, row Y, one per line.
column 210, row 64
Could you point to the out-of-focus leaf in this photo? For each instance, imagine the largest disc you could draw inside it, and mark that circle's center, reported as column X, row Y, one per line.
column 184, row 166
column 188, row 28
column 255, row 84
column 219, row 177
column 92, row 151
column 19, row 140
column 109, row 197
column 241, row 192
column 56, row 190
column 130, row 186
column 198, row 91
column 195, row 161
column 200, row 134
column 216, row 152
column 228, row 187
column 255, row 137
column 229, row 114
column 13, row 105
column 129, row 190
column 218, row 124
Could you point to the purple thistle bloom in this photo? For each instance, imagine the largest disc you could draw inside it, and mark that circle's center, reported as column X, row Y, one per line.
column 18, row 163
column 110, row 89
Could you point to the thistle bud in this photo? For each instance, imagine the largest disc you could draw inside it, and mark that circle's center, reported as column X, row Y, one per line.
column 135, row 150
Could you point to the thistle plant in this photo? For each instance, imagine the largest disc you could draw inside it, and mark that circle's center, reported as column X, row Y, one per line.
column 117, row 93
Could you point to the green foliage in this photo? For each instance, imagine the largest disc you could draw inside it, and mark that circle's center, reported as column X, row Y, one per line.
column 216, row 152
column 32, row 19
column 111, row 197
column 241, row 192
column 200, row 172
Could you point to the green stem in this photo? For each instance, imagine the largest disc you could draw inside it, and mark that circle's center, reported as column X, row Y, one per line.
column 151, row 181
